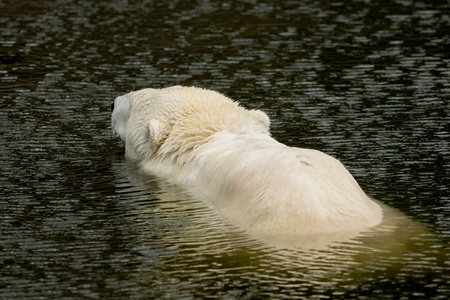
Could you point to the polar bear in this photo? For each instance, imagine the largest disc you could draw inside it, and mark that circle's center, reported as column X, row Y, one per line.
column 224, row 153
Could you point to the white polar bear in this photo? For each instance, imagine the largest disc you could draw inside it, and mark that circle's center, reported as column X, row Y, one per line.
column 225, row 153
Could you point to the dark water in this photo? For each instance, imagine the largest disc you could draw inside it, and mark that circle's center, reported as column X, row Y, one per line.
column 365, row 81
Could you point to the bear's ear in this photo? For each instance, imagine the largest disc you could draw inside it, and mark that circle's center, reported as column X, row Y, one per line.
column 149, row 141
column 157, row 133
column 261, row 118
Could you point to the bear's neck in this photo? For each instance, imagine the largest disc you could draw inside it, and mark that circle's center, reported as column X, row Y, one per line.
column 197, row 129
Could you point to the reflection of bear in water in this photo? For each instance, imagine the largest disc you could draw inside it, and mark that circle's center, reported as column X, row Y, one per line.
column 224, row 153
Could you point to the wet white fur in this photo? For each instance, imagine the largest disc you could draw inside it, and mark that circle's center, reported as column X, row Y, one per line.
column 225, row 153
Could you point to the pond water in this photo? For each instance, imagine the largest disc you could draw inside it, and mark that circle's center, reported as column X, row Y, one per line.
column 365, row 81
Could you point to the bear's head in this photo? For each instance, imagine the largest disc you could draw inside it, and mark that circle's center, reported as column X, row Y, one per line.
column 141, row 120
